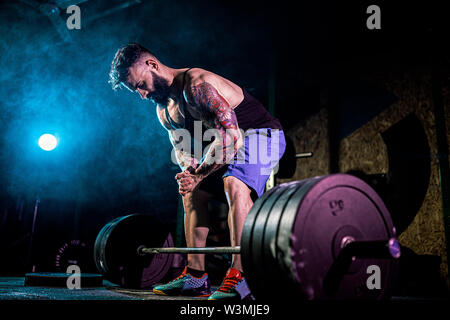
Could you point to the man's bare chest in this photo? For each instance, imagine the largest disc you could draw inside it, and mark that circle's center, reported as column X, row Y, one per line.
column 179, row 115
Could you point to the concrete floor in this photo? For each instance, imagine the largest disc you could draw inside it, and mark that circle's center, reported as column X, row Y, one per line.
column 13, row 288
column 111, row 301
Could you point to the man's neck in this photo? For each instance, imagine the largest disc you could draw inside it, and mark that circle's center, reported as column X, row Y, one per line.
column 176, row 86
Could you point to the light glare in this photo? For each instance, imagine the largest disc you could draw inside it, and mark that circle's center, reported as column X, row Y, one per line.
column 47, row 142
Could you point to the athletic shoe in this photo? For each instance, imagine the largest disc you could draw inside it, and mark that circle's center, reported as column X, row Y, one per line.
column 233, row 287
column 185, row 285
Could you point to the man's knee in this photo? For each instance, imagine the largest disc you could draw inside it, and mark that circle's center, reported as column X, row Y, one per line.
column 235, row 187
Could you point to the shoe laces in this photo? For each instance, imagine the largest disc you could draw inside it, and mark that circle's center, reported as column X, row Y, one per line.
column 182, row 275
column 228, row 284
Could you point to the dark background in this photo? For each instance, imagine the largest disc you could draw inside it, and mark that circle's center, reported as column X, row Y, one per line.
column 114, row 157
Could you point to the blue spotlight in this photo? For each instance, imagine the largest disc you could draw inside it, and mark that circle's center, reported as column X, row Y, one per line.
column 47, row 142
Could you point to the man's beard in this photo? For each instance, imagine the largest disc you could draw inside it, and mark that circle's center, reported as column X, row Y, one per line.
column 162, row 90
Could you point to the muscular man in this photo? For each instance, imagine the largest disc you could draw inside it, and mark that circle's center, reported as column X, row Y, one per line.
column 182, row 97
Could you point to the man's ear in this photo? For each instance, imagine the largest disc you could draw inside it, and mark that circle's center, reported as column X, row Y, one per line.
column 152, row 64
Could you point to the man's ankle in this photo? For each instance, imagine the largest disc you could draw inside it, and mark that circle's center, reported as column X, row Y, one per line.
column 195, row 272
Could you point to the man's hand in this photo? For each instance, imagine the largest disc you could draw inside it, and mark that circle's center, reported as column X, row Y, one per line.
column 187, row 180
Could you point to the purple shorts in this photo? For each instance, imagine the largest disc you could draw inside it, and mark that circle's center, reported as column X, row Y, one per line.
column 253, row 163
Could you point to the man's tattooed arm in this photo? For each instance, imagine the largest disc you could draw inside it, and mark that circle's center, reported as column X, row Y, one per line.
column 183, row 158
column 213, row 106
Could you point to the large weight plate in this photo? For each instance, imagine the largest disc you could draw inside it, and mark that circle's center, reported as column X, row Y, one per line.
column 115, row 251
column 290, row 241
column 253, row 249
column 259, row 270
column 247, row 239
column 269, row 250
column 332, row 204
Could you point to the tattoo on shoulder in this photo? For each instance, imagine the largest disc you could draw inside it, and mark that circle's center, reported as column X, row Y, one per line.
column 206, row 97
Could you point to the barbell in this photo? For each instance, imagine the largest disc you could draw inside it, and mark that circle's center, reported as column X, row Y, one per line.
column 316, row 238
column 233, row 250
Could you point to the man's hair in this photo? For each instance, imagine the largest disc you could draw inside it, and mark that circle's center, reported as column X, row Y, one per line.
column 125, row 57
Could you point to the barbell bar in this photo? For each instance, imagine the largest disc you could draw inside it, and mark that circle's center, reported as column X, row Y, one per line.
column 303, row 155
column 142, row 250
column 352, row 248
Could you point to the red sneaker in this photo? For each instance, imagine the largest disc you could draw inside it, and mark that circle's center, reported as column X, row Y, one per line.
column 233, row 286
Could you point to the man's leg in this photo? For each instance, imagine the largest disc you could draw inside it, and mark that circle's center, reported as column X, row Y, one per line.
column 239, row 203
column 196, row 225
column 193, row 281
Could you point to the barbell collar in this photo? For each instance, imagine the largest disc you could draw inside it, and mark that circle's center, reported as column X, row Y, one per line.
column 372, row 249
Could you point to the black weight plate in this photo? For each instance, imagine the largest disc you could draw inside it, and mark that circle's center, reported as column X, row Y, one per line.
column 284, row 235
column 247, row 239
column 278, row 282
column 115, row 251
column 257, row 250
column 158, row 267
column 100, row 243
column 332, row 202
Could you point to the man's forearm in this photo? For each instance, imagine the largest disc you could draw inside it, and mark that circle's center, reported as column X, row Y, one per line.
column 209, row 163
column 185, row 160
column 217, row 156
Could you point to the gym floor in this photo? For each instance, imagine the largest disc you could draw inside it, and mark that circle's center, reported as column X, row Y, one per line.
column 113, row 300
column 13, row 288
